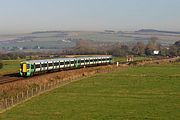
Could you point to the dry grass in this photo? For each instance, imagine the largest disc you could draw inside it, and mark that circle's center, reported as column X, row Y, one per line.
column 10, row 89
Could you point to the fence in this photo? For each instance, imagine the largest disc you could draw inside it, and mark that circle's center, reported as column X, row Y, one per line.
column 10, row 102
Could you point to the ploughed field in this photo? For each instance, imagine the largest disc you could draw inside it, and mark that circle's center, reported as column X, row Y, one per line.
column 144, row 92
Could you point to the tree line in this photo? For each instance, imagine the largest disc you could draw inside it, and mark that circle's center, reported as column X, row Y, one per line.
column 119, row 49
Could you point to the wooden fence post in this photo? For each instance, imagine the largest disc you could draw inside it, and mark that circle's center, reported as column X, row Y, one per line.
column 32, row 92
column 44, row 86
column 27, row 94
column 36, row 90
column 12, row 101
column 40, row 88
column 6, row 102
column 17, row 98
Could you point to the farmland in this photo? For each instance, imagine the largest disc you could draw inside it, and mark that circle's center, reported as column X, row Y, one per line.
column 146, row 92
column 10, row 66
column 58, row 40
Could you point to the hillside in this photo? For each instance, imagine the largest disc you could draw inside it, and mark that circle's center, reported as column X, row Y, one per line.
column 58, row 40
column 157, row 31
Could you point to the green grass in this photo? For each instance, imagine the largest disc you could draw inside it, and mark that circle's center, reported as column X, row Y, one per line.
column 149, row 92
column 124, row 59
column 10, row 66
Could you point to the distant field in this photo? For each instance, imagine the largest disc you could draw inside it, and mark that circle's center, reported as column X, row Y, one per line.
column 10, row 66
column 148, row 92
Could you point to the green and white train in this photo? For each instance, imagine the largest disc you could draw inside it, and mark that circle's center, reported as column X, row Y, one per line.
column 31, row 67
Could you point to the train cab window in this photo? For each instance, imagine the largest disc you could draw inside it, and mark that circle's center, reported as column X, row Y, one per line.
column 28, row 66
column 21, row 66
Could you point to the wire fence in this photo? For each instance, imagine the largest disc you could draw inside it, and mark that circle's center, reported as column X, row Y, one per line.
column 9, row 102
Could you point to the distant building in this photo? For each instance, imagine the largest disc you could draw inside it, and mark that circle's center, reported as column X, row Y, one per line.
column 130, row 58
column 156, row 52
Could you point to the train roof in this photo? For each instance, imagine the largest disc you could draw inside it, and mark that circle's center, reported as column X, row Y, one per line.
column 65, row 59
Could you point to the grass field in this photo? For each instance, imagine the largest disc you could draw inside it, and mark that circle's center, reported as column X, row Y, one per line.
column 124, row 59
column 148, row 92
column 10, row 66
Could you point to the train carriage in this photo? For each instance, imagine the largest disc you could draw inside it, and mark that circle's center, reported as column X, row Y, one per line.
column 31, row 67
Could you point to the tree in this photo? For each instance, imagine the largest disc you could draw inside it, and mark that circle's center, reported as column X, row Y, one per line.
column 1, row 65
column 139, row 48
column 174, row 50
column 119, row 50
column 177, row 44
column 151, row 46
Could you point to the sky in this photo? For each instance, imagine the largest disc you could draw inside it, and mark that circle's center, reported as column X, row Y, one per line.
column 22, row 16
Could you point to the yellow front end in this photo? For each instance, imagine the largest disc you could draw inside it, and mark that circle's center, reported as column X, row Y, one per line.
column 24, row 68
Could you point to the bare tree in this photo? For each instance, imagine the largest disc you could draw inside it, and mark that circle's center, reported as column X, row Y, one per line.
column 139, row 48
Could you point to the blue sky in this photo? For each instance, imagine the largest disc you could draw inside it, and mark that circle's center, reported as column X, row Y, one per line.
column 18, row 16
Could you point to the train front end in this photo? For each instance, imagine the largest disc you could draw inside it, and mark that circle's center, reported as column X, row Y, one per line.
column 25, row 69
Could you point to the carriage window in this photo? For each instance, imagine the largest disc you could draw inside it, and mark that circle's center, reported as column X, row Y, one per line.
column 56, row 64
column 37, row 65
column 72, row 62
column 50, row 64
column 67, row 62
column 62, row 63
column 44, row 65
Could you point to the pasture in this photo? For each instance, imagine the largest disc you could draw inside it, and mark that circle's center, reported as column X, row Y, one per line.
column 146, row 92
column 10, row 66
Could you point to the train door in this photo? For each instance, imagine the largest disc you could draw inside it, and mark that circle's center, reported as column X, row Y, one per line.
column 77, row 63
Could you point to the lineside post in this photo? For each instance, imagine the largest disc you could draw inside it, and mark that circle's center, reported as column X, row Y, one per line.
column 117, row 64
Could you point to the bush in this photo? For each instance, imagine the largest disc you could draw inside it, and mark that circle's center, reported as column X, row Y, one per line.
column 1, row 65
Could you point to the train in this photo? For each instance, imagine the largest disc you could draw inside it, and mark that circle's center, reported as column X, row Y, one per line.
column 33, row 67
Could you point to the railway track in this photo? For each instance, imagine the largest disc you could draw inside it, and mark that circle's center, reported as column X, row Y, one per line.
column 9, row 78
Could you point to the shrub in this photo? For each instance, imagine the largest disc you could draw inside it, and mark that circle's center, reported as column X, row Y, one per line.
column 1, row 65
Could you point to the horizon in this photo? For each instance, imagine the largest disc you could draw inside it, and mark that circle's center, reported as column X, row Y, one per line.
column 20, row 16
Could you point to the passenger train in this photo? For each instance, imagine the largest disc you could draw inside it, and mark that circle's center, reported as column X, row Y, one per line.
column 32, row 67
